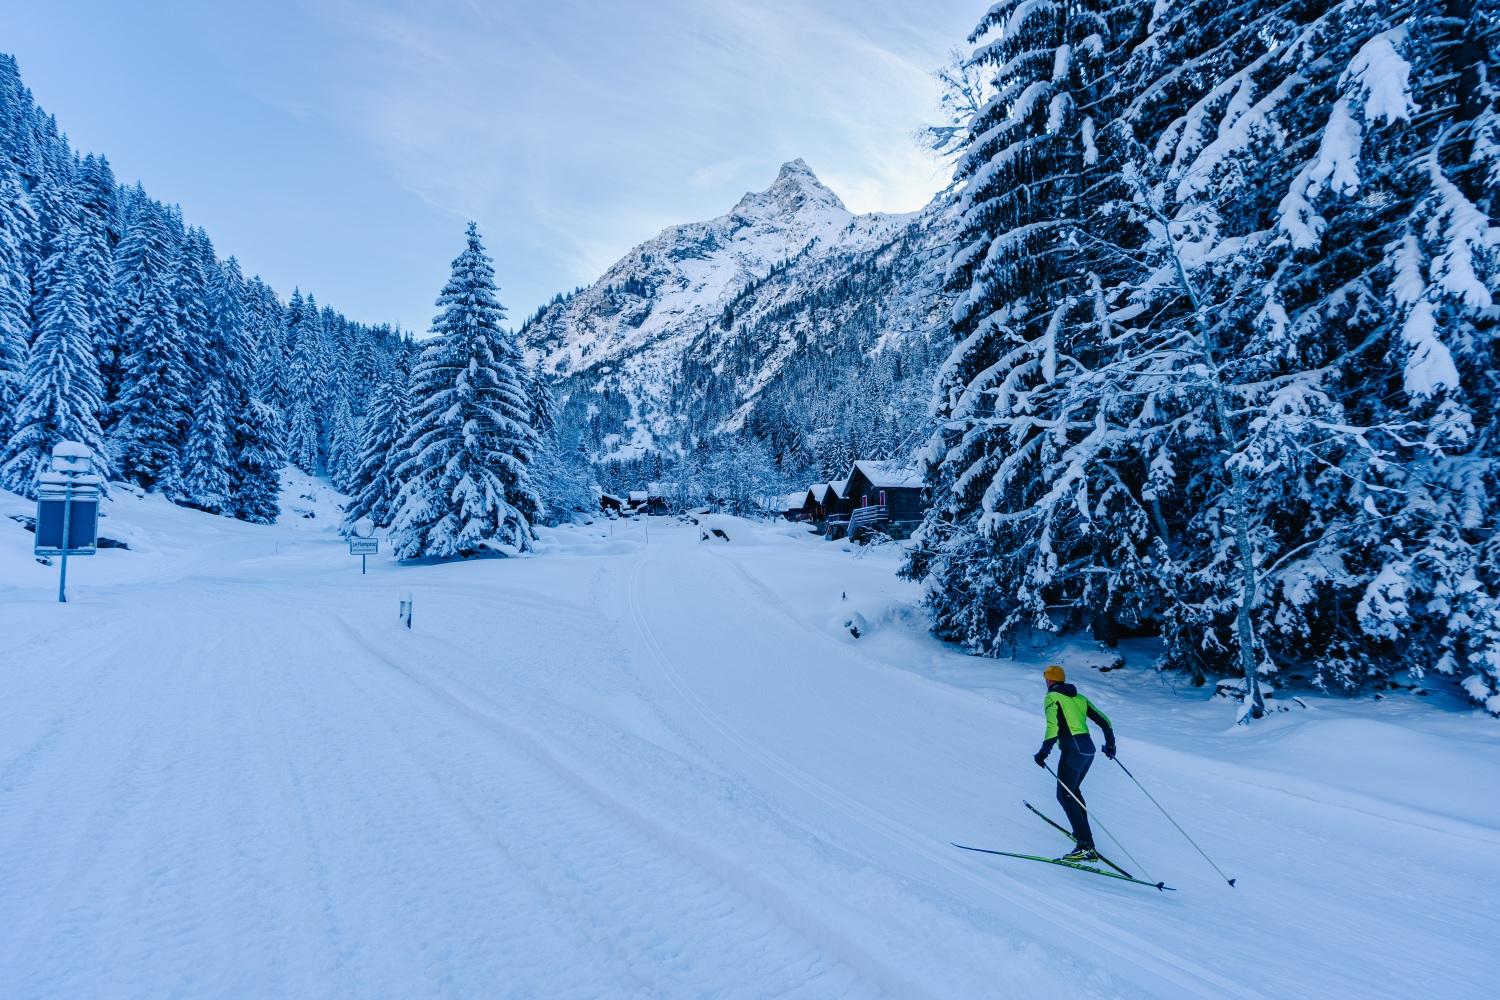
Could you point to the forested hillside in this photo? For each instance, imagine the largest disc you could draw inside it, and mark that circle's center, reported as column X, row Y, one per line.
column 1225, row 364
column 121, row 327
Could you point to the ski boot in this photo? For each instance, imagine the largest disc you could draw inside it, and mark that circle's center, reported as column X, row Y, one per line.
column 1081, row 855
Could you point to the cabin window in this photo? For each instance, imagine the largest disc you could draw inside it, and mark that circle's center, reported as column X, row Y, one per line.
column 864, row 501
column 882, row 498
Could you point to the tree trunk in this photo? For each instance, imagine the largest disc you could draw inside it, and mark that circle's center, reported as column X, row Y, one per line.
column 1253, row 700
column 1253, row 697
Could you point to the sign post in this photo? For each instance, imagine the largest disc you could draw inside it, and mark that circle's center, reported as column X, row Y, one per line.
column 362, row 541
column 67, row 508
column 363, row 547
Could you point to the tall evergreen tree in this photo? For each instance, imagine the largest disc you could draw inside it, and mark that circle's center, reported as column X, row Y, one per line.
column 302, row 435
column 15, row 294
column 255, row 479
column 96, row 194
column 61, row 393
column 375, row 486
column 153, row 412
column 1171, row 402
column 205, row 477
column 466, row 481
column 344, row 449
column 1032, row 186
column 303, row 372
column 267, row 345
column 191, row 288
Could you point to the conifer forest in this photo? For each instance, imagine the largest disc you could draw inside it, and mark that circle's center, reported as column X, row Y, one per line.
column 1197, row 344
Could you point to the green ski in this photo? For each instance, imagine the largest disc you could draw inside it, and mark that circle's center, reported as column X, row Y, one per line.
column 1067, row 864
column 1065, row 833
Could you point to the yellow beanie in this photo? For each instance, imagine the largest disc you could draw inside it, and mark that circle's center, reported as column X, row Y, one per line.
column 1055, row 674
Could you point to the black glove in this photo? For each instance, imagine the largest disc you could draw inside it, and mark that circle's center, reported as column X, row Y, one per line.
column 1109, row 751
column 1040, row 758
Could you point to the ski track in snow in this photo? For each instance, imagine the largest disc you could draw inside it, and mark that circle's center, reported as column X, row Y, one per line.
column 1183, row 974
column 226, row 772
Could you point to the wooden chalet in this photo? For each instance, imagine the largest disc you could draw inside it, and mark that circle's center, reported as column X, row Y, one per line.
column 820, row 500
column 796, row 506
column 608, row 502
column 656, row 498
column 889, row 496
column 839, row 505
column 837, row 508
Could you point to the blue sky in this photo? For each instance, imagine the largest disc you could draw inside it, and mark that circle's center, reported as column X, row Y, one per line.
column 341, row 145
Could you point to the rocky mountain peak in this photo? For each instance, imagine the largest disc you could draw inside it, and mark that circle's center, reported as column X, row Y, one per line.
column 795, row 190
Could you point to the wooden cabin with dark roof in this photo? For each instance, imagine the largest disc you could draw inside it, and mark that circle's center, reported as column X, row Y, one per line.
column 888, row 496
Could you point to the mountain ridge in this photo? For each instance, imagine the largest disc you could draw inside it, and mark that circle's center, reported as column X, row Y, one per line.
column 703, row 298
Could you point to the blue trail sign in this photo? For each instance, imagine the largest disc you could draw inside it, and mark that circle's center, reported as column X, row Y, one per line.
column 67, row 508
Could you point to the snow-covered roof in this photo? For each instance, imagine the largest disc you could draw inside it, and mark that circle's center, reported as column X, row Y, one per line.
column 838, row 486
column 794, row 501
column 892, row 475
column 816, row 491
column 639, row 496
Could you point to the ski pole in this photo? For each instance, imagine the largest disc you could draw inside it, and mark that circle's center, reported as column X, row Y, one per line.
column 1180, row 830
column 1101, row 825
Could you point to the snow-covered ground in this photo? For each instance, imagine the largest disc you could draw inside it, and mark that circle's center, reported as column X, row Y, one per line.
column 641, row 764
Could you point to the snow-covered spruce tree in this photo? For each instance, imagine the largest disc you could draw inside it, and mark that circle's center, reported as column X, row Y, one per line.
column 154, row 409
column 1005, row 547
column 96, row 194
column 136, row 263
column 375, row 485
column 204, row 479
column 255, row 479
column 1190, row 408
column 303, row 427
column 466, row 479
column 302, row 434
column 344, row 451
column 267, row 335
column 1276, row 204
column 61, row 393
column 1202, row 436
column 15, row 294
column 192, row 287
column 1412, row 161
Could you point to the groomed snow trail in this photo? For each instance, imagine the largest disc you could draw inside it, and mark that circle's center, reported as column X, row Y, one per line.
column 279, row 811
column 621, row 770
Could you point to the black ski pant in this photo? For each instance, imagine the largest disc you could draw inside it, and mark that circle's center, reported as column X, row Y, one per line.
column 1070, row 772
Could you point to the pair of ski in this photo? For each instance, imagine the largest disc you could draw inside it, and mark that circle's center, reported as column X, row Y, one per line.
column 1118, row 872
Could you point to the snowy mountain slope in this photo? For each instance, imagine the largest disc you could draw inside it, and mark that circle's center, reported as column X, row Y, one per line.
column 682, row 334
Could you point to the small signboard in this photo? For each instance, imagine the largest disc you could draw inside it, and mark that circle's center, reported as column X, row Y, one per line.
column 67, row 508
column 363, row 546
column 53, row 504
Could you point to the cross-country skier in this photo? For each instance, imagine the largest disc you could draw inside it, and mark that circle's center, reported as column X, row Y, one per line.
column 1067, row 713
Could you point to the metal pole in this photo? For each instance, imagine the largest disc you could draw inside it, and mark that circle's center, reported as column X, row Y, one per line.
column 62, row 580
column 1180, row 830
column 361, row 564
